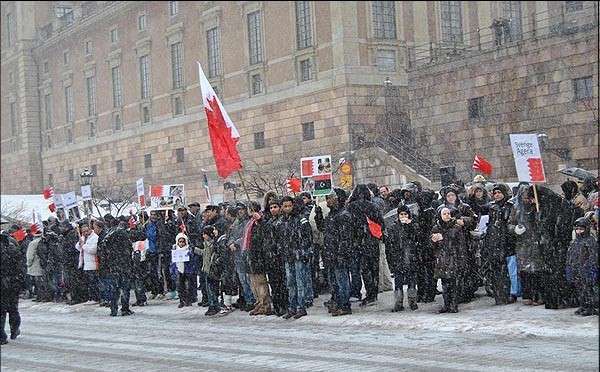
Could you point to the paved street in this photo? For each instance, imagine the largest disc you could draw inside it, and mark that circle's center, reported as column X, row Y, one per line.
column 162, row 337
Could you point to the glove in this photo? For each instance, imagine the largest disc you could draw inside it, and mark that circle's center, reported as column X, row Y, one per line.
column 520, row 229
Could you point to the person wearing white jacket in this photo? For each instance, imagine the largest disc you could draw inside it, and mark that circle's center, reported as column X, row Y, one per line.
column 87, row 246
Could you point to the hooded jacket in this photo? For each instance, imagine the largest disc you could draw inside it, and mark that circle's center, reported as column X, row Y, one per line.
column 401, row 245
column 337, row 233
column 447, row 251
column 361, row 209
column 498, row 241
column 529, row 251
column 582, row 257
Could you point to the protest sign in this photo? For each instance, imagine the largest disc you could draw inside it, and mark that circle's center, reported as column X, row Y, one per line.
column 139, row 185
column 167, row 196
column 180, row 255
column 69, row 200
column 316, row 174
column 528, row 159
column 86, row 192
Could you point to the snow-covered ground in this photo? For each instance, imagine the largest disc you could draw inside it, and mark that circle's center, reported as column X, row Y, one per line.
column 58, row 337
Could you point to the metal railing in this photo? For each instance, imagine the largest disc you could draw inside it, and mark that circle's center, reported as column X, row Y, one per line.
column 505, row 33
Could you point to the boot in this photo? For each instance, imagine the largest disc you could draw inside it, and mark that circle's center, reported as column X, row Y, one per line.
column 398, row 300
column 412, row 299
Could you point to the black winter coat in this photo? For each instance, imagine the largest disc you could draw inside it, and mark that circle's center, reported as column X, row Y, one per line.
column 257, row 255
column 294, row 236
column 337, row 237
column 401, row 247
column 447, row 251
column 117, row 249
column 273, row 254
column 362, row 240
column 499, row 242
column 12, row 273
column 50, row 252
column 70, row 253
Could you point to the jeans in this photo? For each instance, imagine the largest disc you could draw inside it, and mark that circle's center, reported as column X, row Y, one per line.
column 93, row 283
column 119, row 287
column 212, row 289
column 244, row 281
column 10, row 305
column 513, row 274
column 105, row 287
column 342, row 286
column 308, row 283
column 356, row 281
column 296, row 283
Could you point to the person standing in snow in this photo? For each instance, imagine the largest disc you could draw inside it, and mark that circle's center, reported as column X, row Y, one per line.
column 449, row 240
column 185, row 271
column 275, row 266
column 12, row 278
column 401, row 253
column 87, row 247
column 253, row 241
column 582, row 267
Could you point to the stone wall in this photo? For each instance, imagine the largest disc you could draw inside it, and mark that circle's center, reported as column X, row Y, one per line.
column 527, row 88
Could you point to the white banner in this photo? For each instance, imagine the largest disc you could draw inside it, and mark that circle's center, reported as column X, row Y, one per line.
column 139, row 184
column 69, row 200
column 58, row 201
column 528, row 158
column 86, row 192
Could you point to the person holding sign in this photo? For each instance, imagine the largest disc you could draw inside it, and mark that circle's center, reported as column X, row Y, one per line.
column 182, row 259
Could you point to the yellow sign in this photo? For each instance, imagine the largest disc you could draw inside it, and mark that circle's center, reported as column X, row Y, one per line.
column 346, row 181
column 346, row 168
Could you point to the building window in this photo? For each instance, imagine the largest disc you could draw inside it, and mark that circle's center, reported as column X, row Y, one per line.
column 118, row 124
column 13, row 119
column 386, row 60
column 259, row 140
column 256, row 84
column 213, row 49
column 142, row 22
column 11, row 77
column 177, row 106
column 176, row 63
column 308, row 131
column 46, row 67
column 451, row 21
column 48, row 141
column 119, row 165
column 48, row 110
column 511, row 11
column 92, row 127
column 69, row 135
column 50, row 179
column 173, row 8
column 116, row 87
column 476, row 108
column 582, row 88
column 90, row 84
column 69, row 107
column 305, row 70
column 94, row 169
column 303, row 25
column 66, row 57
column 64, row 13
column 88, row 48
column 10, row 29
column 71, row 175
column 179, row 155
column 148, row 161
column 114, row 35
column 254, row 37
column 145, row 77
column 145, row 115
column 573, row 6
column 384, row 20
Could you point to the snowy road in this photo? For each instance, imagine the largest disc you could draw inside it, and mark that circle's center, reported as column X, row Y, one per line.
column 162, row 337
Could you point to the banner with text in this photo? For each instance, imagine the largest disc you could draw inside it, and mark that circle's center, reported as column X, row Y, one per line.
column 528, row 158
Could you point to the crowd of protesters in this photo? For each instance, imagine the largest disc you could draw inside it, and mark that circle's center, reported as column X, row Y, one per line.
column 276, row 258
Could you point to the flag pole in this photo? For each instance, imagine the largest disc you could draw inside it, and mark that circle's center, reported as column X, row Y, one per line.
column 240, row 174
column 535, row 195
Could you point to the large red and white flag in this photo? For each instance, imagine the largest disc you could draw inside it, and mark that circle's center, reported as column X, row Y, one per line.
column 482, row 165
column 223, row 133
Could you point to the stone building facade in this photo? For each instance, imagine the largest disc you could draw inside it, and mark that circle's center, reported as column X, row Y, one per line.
column 113, row 87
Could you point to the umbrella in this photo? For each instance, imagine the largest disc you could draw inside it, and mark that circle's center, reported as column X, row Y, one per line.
column 577, row 173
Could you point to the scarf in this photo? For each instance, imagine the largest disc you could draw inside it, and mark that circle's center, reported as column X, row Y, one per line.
column 247, row 238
